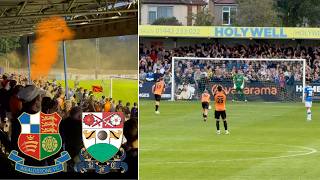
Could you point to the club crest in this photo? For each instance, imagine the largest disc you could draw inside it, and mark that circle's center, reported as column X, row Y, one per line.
column 102, row 134
column 39, row 139
column 39, row 136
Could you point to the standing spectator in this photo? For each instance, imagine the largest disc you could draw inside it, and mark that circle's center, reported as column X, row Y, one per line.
column 60, row 99
column 91, row 104
column 102, row 100
column 85, row 94
column 14, row 103
column 134, row 111
column 126, row 111
column 107, row 105
column 31, row 98
column 119, row 107
column 71, row 133
column 113, row 105
column 130, row 132
column 76, row 82
column 79, row 96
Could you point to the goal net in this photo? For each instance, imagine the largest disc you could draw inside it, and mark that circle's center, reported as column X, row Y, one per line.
column 265, row 79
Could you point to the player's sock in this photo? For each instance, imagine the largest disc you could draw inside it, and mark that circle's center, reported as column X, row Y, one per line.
column 225, row 124
column 205, row 117
column 218, row 125
column 233, row 96
column 309, row 114
column 243, row 97
column 157, row 107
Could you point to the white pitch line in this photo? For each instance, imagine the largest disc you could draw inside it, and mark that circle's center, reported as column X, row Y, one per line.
column 310, row 151
column 210, row 150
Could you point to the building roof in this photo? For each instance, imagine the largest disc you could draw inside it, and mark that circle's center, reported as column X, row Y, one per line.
column 225, row 1
column 186, row 2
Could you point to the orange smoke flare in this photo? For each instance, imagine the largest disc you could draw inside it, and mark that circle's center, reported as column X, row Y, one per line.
column 49, row 33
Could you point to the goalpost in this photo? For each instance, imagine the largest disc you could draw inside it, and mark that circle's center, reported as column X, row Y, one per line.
column 107, row 85
column 261, row 77
column 112, row 83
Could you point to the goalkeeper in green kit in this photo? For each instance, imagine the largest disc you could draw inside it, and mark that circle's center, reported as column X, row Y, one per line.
column 238, row 86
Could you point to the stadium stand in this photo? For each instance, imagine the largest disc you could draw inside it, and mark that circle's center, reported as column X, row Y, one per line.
column 49, row 97
column 155, row 61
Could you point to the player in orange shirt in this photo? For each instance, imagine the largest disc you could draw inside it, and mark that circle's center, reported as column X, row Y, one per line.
column 205, row 100
column 158, row 90
column 220, row 109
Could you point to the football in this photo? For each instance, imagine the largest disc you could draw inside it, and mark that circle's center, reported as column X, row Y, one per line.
column 102, row 135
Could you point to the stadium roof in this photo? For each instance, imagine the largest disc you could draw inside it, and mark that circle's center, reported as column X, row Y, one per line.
column 88, row 18
column 187, row 2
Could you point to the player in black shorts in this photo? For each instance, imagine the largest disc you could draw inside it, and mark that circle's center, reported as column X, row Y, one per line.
column 158, row 89
column 205, row 105
column 157, row 97
column 220, row 109
column 205, row 100
column 218, row 114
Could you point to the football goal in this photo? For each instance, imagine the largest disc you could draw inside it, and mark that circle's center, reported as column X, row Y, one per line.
column 264, row 79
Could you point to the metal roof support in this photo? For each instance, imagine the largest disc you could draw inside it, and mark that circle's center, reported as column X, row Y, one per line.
column 68, row 14
column 29, row 61
column 20, row 10
column 22, row 7
column 70, row 22
column 65, row 69
column 70, row 5
column 4, row 11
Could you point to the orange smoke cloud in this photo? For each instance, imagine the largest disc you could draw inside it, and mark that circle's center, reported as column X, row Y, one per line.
column 49, row 33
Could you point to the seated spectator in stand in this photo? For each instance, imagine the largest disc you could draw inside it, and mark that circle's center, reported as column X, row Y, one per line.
column 150, row 76
column 157, row 74
column 316, row 78
column 254, row 71
column 142, row 75
column 167, row 77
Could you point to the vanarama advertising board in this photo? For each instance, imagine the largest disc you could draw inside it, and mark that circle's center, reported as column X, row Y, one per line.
column 229, row 32
column 254, row 91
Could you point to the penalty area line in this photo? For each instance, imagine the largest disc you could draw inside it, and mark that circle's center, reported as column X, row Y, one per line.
column 303, row 153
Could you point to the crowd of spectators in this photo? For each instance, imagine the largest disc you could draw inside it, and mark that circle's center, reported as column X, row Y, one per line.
column 156, row 61
column 17, row 96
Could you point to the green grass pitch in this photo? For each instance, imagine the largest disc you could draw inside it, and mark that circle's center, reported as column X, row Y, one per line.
column 122, row 89
column 266, row 141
